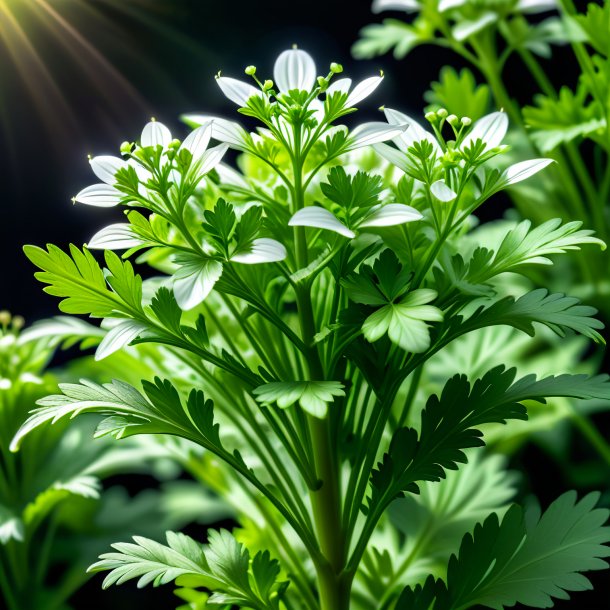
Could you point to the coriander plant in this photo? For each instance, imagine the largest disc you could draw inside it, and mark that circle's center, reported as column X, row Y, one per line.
column 565, row 120
column 307, row 295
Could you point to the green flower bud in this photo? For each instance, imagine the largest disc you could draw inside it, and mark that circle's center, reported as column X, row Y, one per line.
column 322, row 82
column 5, row 317
column 442, row 113
column 250, row 70
column 452, row 119
column 175, row 144
column 430, row 116
column 126, row 148
column 466, row 121
column 268, row 84
column 336, row 68
column 18, row 322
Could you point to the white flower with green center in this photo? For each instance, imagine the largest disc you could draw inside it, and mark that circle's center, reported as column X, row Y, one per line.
column 405, row 321
column 485, row 136
column 295, row 71
column 154, row 134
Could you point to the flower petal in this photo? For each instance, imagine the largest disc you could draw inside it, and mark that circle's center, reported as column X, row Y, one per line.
column 263, row 250
column 363, row 89
column 236, row 90
column 230, row 177
column 211, row 159
column 523, row 170
column 442, row 192
column 390, row 215
column 294, row 69
column 119, row 236
column 197, row 141
column 155, row 134
column 105, row 167
column 99, row 195
column 194, row 281
column 320, row 218
column 408, row 6
column 414, row 133
column 118, row 337
column 394, row 156
column 373, row 133
column 445, row 5
column 491, row 129
column 225, row 131
column 536, row 6
column 343, row 85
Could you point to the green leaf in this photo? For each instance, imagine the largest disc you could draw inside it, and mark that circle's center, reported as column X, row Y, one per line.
column 459, row 93
column 558, row 312
column 525, row 559
column 380, row 284
column 595, row 25
column 223, row 567
column 405, row 322
column 562, row 120
column 378, row 39
column 523, row 245
column 450, row 424
column 220, row 224
column 361, row 190
column 77, row 278
column 312, row 396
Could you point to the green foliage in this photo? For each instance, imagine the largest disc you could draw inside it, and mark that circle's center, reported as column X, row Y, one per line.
column 224, row 566
column 459, row 93
column 326, row 276
column 526, row 558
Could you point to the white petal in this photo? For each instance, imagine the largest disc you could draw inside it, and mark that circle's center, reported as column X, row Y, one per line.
column 294, row 69
column 363, row 89
column 536, row 6
column 118, row 337
column 236, row 90
column 211, row 159
column 465, row 29
column 491, row 129
column 99, row 195
column 119, row 236
column 373, row 133
column 231, row 177
column 320, row 218
column 197, row 141
column 408, row 6
column 414, row 133
column 343, row 85
column 445, row 5
column 523, row 170
column 224, row 131
column 155, row 134
column 194, row 281
column 442, row 192
column 263, row 250
column 318, row 112
column 106, row 167
column 392, row 214
column 394, row 156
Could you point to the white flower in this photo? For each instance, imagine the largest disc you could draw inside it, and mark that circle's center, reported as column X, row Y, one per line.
column 105, row 167
column 413, row 133
column 381, row 216
column 491, row 129
column 442, row 192
column 236, row 90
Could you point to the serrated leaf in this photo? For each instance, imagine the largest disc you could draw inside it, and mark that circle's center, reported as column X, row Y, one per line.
column 312, row 396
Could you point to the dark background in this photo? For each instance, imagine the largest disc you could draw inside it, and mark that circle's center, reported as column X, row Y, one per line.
column 138, row 59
